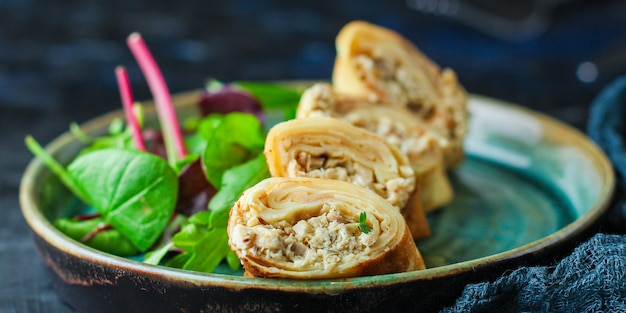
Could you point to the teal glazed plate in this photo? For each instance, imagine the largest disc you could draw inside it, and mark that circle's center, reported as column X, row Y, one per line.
column 529, row 189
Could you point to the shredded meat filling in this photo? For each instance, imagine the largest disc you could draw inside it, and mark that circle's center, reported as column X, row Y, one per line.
column 396, row 191
column 329, row 238
column 402, row 88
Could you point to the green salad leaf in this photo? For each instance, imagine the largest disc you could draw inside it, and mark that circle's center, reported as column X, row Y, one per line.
column 271, row 95
column 56, row 168
column 134, row 191
column 235, row 181
column 235, row 139
column 200, row 130
column 119, row 135
column 109, row 240
column 233, row 160
column 204, row 239
column 204, row 244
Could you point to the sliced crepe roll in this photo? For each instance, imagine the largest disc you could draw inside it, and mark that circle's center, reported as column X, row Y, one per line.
column 308, row 228
column 398, row 127
column 380, row 64
column 330, row 148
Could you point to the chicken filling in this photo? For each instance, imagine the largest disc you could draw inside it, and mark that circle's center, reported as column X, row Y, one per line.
column 399, row 86
column 397, row 190
column 414, row 145
column 396, row 81
column 323, row 241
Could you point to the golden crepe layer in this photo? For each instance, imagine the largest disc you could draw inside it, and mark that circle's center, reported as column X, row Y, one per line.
column 394, row 124
column 308, row 228
column 330, row 148
column 381, row 65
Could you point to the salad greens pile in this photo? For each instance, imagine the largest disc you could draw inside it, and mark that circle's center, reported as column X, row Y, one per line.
column 164, row 195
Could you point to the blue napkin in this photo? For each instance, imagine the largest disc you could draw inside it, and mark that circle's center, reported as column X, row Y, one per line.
column 593, row 277
column 607, row 127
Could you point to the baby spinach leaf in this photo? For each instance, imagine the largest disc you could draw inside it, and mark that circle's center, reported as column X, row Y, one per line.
column 208, row 252
column 184, row 162
column 200, row 131
column 271, row 95
column 135, row 191
column 233, row 260
column 237, row 138
column 110, row 240
column 204, row 239
column 119, row 134
column 234, row 182
column 208, row 125
column 201, row 218
column 165, row 245
column 204, row 245
column 154, row 257
column 116, row 137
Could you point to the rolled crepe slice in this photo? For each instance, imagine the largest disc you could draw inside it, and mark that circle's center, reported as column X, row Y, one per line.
column 308, row 228
column 399, row 128
column 329, row 148
column 379, row 64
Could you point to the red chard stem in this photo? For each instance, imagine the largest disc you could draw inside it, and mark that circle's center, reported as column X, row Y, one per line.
column 172, row 134
column 93, row 233
column 127, row 102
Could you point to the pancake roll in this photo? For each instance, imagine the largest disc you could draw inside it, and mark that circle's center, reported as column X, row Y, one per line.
column 330, row 148
column 384, row 67
column 310, row 228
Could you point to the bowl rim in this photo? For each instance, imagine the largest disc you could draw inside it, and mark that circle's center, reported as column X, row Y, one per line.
column 44, row 229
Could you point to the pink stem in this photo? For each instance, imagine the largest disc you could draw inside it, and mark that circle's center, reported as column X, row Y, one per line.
column 162, row 98
column 127, row 102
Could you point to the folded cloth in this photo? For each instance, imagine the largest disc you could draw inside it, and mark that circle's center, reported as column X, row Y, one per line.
column 607, row 127
column 593, row 277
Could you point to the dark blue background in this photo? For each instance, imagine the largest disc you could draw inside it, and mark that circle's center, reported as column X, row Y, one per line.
column 57, row 61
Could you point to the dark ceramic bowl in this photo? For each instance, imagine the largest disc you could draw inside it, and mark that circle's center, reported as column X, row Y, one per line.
column 528, row 190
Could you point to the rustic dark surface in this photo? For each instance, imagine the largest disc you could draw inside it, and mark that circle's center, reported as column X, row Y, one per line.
column 57, row 60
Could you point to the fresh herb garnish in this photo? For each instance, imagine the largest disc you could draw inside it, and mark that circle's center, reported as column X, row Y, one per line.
column 362, row 223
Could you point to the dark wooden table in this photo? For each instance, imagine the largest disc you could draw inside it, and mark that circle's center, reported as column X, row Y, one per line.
column 57, row 63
